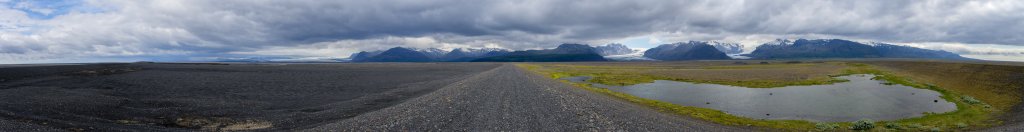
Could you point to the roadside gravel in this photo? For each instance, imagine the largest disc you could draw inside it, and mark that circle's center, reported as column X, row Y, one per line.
column 14, row 126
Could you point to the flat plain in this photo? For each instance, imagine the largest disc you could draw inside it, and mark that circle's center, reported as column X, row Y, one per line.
column 456, row 96
column 209, row 96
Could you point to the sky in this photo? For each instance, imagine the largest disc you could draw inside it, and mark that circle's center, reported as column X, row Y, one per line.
column 69, row 31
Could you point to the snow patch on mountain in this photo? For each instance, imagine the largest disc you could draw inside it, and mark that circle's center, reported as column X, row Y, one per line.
column 637, row 55
column 779, row 42
column 279, row 59
column 434, row 53
column 613, row 49
column 727, row 48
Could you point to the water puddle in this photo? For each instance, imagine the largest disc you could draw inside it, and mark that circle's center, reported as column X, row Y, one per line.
column 860, row 98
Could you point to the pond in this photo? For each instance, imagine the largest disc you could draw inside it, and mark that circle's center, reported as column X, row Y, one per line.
column 859, row 98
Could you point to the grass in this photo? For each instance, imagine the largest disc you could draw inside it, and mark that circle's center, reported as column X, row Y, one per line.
column 997, row 85
column 968, row 115
column 772, row 75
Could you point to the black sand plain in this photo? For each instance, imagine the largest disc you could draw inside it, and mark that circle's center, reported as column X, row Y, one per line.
column 210, row 96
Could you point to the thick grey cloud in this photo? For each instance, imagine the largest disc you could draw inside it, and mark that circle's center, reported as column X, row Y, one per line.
column 111, row 28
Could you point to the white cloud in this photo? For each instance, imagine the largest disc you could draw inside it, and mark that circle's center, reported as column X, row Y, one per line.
column 337, row 28
column 653, row 40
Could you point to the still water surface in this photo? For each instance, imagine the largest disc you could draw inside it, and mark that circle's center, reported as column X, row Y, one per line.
column 860, row 98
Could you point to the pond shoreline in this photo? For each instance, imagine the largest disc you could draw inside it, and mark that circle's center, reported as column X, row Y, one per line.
column 968, row 116
column 859, row 98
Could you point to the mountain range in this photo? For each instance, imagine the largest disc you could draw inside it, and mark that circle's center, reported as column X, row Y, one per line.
column 838, row 48
column 564, row 52
column 691, row 50
column 468, row 54
column 404, row 54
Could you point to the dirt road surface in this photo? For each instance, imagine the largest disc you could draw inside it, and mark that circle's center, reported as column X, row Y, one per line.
column 512, row 99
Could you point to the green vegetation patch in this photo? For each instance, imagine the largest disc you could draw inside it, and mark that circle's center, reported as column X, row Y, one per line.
column 969, row 114
column 703, row 113
column 762, row 66
column 631, row 75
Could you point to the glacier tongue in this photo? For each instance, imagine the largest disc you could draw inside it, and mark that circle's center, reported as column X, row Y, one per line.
column 737, row 56
column 637, row 55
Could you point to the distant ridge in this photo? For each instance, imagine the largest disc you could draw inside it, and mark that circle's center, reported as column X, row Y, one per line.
column 403, row 54
column 363, row 55
column 564, row 52
column 692, row 50
column 399, row 54
column 838, row 48
column 467, row 54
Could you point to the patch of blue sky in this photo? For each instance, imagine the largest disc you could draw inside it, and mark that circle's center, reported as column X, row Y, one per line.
column 640, row 42
column 48, row 9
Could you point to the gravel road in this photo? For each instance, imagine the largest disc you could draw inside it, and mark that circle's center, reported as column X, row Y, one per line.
column 508, row 98
column 14, row 126
column 1017, row 127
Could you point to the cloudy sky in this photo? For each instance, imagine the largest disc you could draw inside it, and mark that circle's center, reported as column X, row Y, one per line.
column 61, row 31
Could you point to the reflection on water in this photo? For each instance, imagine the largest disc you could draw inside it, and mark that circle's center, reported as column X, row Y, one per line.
column 860, row 98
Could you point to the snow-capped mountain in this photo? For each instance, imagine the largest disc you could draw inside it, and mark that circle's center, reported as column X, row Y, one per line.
column 466, row 54
column 779, row 42
column 727, row 48
column 433, row 53
column 470, row 52
column 613, row 49
column 279, row 59
column 692, row 50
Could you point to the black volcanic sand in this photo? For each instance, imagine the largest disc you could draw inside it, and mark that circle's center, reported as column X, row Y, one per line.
column 188, row 97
